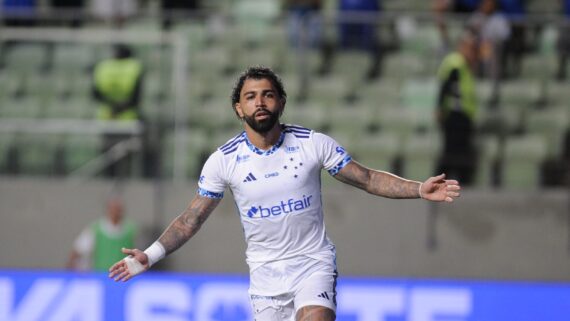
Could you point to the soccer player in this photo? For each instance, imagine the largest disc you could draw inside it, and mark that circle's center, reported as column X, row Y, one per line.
column 273, row 171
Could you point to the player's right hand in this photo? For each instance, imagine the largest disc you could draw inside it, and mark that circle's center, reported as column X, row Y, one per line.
column 135, row 263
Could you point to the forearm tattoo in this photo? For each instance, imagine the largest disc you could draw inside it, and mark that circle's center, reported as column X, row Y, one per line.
column 378, row 182
column 187, row 224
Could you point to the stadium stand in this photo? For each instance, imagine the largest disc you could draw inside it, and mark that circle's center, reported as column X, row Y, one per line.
column 394, row 113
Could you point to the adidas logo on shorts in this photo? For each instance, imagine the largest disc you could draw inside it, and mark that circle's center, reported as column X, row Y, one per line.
column 324, row 295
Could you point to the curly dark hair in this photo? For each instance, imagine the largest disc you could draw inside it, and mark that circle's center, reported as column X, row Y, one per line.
column 257, row 72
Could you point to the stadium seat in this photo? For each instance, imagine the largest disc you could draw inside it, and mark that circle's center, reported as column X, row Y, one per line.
column 382, row 94
column 352, row 121
column 420, row 96
column 377, row 151
column 6, row 145
column 39, row 154
column 26, row 107
column 79, row 149
column 420, row 156
column 521, row 94
column 197, row 150
column 551, row 124
column 73, row 58
column 397, row 120
column 313, row 115
column 522, row 159
column 73, row 108
column 26, row 58
column 488, row 151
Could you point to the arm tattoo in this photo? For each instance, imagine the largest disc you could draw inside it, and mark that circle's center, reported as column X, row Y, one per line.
column 378, row 182
column 188, row 223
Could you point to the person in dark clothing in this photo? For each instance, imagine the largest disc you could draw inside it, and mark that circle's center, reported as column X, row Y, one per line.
column 356, row 34
column 169, row 8
column 456, row 110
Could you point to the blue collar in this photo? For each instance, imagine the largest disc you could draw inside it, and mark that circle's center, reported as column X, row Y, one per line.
column 268, row 152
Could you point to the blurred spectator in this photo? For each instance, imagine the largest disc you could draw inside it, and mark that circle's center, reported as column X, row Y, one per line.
column 99, row 245
column 515, row 46
column 169, row 8
column 563, row 42
column 19, row 13
column 358, row 31
column 493, row 29
column 304, row 22
column 114, row 11
column 117, row 85
column 457, row 108
column 72, row 9
column 441, row 7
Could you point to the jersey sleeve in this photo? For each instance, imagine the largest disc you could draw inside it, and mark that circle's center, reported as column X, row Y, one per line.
column 211, row 182
column 332, row 155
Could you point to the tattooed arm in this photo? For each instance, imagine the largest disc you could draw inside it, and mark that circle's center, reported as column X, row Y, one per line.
column 391, row 186
column 188, row 223
column 180, row 230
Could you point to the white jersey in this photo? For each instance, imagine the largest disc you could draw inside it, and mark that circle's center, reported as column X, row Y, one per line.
column 277, row 192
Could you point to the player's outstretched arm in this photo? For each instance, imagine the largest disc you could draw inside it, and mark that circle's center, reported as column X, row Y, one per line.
column 392, row 186
column 180, row 230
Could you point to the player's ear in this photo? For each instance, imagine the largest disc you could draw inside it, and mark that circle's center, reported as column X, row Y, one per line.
column 239, row 111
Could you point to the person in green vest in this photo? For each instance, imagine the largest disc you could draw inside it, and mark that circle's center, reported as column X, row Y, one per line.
column 457, row 108
column 117, row 86
column 99, row 245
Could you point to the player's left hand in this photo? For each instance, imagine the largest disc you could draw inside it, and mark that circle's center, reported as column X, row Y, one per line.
column 135, row 263
column 439, row 189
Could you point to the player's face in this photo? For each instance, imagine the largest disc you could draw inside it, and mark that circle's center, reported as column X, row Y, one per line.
column 259, row 105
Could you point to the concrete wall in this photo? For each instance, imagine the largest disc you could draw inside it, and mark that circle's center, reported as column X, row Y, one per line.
column 486, row 234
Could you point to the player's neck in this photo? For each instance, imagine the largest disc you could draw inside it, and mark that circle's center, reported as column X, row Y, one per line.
column 266, row 140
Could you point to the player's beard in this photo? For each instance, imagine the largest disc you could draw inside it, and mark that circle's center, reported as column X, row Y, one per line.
column 262, row 126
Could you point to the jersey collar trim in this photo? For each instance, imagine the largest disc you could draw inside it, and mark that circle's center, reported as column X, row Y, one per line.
column 268, row 152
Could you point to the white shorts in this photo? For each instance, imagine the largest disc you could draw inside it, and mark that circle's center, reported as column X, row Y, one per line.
column 279, row 289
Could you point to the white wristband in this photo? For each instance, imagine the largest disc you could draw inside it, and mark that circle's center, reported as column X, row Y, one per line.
column 420, row 190
column 155, row 253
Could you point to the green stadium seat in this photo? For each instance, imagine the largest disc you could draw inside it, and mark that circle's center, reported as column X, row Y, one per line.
column 73, row 58
column 521, row 94
column 397, row 120
column 72, row 108
column 522, row 159
column 383, row 94
column 26, row 58
column 551, row 124
column 420, row 155
column 312, row 115
column 26, row 107
column 488, row 150
column 376, row 151
column 6, row 146
column 197, row 149
column 38, row 154
column 79, row 149
column 328, row 90
column 352, row 121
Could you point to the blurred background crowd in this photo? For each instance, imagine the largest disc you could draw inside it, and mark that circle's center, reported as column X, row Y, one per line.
column 382, row 77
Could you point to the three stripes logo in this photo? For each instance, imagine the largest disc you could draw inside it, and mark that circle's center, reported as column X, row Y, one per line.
column 249, row 178
column 324, row 295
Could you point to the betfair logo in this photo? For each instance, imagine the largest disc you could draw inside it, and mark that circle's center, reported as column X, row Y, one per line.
column 292, row 205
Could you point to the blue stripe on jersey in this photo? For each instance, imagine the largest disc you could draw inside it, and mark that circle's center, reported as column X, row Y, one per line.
column 206, row 193
column 298, row 128
column 232, row 141
column 234, row 147
column 297, row 134
column 333, row 171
